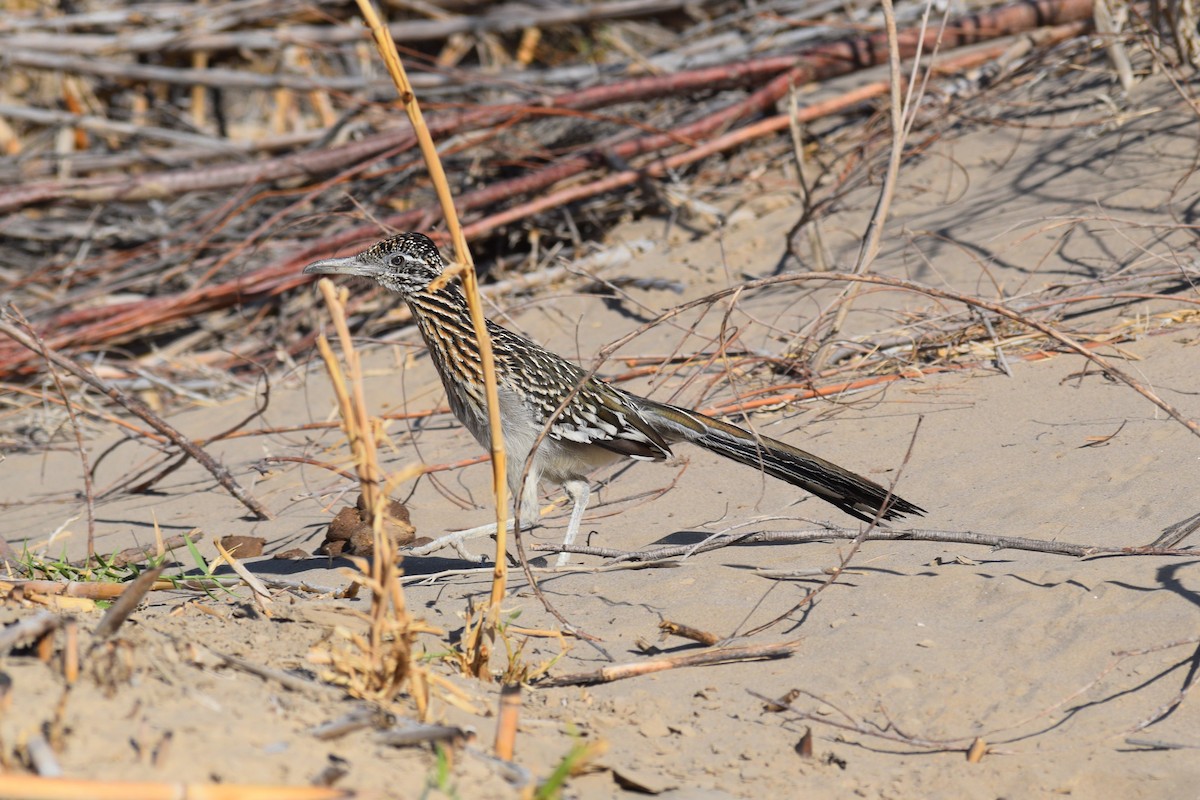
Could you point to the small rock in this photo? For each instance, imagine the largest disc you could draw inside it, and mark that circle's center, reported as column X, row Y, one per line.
column 641, row 780
column 350, row 531
column 243, row 546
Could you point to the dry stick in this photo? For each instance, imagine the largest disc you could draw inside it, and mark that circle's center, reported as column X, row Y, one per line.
column 285, row 679
column 720, row 655
column 126, row 604
column 71, row 651
column 90, row 589
column 507, row 718
column 877, row 535
column 465, row 268
column 688, row 632
column 42, row 756
column 89, row 493
column 138, row 408
column 1174, row 534
column 874, row 232
column 418, row 734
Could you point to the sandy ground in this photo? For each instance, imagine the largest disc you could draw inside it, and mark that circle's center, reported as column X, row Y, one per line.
column 920, row 641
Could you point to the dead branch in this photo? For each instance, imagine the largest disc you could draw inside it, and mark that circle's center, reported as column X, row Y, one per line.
column 139, row 409
column 126, row 604
column 718, row 655
column 877, row 535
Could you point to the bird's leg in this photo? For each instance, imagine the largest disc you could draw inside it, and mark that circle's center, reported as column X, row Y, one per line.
column 529, row 516
column 579, row 491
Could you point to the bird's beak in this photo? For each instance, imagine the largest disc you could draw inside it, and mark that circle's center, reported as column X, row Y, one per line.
column 348, row 265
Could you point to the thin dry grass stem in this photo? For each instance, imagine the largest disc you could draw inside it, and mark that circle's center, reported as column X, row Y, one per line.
column 262, row 597
column 900, row 110
column 94, row 413
column 136, row 407
column 379, row 666
column 89, row 490
column 716, row 655
column 465, row 269
column 360, row 431
column 887, row 732
column 840, row 569
column 874, row 232
column 912, row 286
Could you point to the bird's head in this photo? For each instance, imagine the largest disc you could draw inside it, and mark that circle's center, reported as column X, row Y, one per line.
column 406, row 263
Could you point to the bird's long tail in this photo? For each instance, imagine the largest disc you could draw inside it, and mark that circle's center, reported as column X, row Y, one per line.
column 854, row 494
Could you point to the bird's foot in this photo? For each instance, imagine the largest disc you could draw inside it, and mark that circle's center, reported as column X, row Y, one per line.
column 455, row 541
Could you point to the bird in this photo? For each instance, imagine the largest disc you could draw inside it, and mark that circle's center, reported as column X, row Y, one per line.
column 600, row 423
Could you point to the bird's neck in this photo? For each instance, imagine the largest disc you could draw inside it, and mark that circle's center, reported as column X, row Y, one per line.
column 446, row 302
column 443, row 319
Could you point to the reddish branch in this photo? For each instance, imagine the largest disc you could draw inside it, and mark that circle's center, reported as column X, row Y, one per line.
column 90, row 327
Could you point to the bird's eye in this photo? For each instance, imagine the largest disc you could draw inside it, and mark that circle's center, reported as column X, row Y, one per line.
column 397, row 261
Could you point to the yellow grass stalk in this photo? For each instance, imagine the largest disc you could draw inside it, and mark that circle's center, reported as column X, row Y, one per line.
column 465, row 269
column 388, row 659
column 32, row 787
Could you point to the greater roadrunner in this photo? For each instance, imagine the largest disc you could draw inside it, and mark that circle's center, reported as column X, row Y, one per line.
column 601, row 423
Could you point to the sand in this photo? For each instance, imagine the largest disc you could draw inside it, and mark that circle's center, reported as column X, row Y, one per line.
column 927, row 645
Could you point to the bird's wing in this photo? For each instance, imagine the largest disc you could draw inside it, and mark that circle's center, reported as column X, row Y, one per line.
column 597, row 414
column 600, row 417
